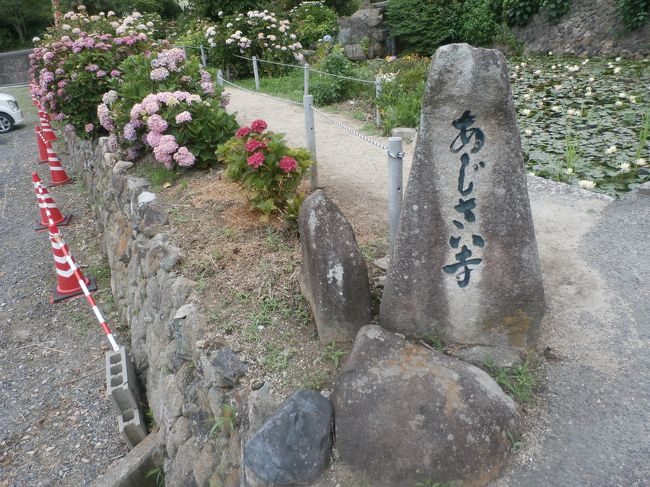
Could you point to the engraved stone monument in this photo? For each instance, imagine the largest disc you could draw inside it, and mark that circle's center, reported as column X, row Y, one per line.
column 465, row 265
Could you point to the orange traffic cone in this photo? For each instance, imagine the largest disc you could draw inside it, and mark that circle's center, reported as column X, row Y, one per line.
column 57, row 173
column 42, row 150
column 50, row 214
column 68, row 284
column 46, row 128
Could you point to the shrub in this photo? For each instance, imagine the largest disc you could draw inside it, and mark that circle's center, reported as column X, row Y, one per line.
column 633, row 13
column 264, row 166
column 255, row 33
column 329, row 89
column 556, row 9
column 73, row 66
column 312, row 21
column 479, row 23
column 423, row 25
column 519, row 12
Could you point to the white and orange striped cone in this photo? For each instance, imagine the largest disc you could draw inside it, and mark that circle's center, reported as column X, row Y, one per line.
column 46, row 128
column 49, row 211
column 57, row 173
column 69, row 277
column 42, row 149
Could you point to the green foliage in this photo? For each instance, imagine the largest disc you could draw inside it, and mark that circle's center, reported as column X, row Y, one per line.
column 433, row 340
column 423, row 25
column 20, row 20
column 227, row 421
column 633, row 13
column 263, row 164
column 158, row 474
column 479, row 23
column 329, row 89
column 312, row 21
column 519, row 12
column 556, row 9
column 334, row 354
column 643, row 134
column 518, row 381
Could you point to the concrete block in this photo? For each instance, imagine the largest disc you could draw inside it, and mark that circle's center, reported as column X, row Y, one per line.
column 132, row 426
column 121, row 383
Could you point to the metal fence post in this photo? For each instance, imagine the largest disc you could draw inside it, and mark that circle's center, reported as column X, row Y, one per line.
column 377, row 95
column 395, row 156
column 204, row 60
column 219, row 77
column 228, row 77
column 185, row 51
column 256, row 74
column 306, row 67
column 310, row 131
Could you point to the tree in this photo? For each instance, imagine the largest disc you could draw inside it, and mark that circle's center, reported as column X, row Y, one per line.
column 25, row 15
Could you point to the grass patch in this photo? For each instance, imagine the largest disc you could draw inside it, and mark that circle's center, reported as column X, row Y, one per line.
column 226, row 421
column 157, row 175
column 518, row 381
column 290, row 86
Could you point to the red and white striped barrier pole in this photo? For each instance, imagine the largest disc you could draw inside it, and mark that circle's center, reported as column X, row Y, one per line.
column 56, row 236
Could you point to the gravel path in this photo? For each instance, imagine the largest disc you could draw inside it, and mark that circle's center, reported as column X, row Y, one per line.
column 56, row 426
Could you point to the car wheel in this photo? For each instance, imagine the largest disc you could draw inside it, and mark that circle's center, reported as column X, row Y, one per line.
column 6, row 123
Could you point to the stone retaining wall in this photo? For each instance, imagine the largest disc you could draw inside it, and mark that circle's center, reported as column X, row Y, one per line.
column 184, row 387
column 591, row 27
column 14, row 67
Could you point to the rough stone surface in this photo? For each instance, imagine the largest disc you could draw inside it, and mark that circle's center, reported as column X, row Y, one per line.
column 261, row 404
column 334, row 276
column 227, row 367
column 480, row 355
column 407, row 414
column 364, row 35
column 406, row 133
column 591, row 27
column 293, row 445
column 434, row 285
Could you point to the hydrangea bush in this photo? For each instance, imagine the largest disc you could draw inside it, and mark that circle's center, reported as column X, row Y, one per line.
column 262, row 163
column 313, row 21
column 74, row 65
column 256, row 33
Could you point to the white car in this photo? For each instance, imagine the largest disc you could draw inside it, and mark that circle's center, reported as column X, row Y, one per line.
column 10, row 113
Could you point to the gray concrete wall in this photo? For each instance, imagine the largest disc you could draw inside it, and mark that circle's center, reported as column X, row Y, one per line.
column 14, row 67
column 591, row 27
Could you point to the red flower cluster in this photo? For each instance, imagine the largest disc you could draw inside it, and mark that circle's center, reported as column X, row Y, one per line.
column 258, row 126
column 252, row 145
column 288, row 164
column 256, row 160
column 242, row 132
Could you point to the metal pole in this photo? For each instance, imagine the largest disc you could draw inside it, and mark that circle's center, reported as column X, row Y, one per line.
column 204, row 60
column 395, row 156
column 219, row 77
column 306, row 67
column 377, row 95
column 185, row 51
column 228, row 73
column 310, row 131
column 256, row 74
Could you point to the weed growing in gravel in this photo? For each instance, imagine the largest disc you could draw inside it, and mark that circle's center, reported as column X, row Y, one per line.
column 518, row 381
column 334, row 354
column 158, row 474
column 316, row 380
column 157, row 176
column 273, row 240
column 430, row 483
column 102, row 273
column 227, row 420
column 278, row 358
column 374, row 249
column 434, row 341
column 176, row 216
column 515, row 444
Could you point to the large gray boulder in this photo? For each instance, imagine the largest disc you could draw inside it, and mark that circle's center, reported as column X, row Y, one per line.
column 334, row 276
column 292, row 447
column 407, row 414
column 465, row 265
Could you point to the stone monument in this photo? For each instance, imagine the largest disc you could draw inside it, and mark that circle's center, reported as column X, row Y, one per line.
column 465, row 265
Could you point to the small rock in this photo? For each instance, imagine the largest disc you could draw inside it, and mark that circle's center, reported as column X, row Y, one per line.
column 261, row 404
column 407, row 134
column 122, row 166
column 293, row 445
column 228, row 367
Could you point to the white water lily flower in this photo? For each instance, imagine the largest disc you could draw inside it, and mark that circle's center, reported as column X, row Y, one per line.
column 585, row 61
column 526, row 96
column 523, row 65
column 556, row 108
column 618, row 59
column 528, row 132
column 557, row 87
column 617, row 70
column 526, row 112
column 571, row 112
column 586, row 183
column 624, row 167
column 568, row 170
column 611, row 149
column 553, row 67
column 640, row 162
column 538, row 72
column 632, row 99
column 622, row 95
column 591, row 80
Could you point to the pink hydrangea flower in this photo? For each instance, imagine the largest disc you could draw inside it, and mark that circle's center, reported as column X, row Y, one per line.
column 115, row 73
column 252, row 145
column 184, row 117
column 101, row 73
column 92, row 68
column 157, row 124
column 184, row 157
column 89, row 127
column 159, row 74
column 258, row 126
column 256, row 160
column 167, row 145
column 242, row 132
column 288, row 164
column 153, row 139
column 129, row 132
